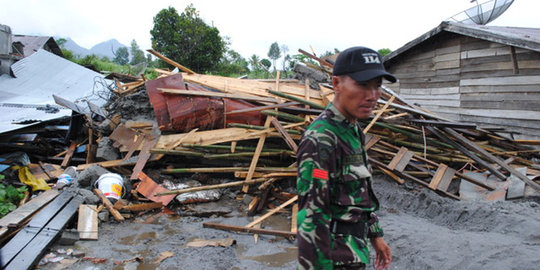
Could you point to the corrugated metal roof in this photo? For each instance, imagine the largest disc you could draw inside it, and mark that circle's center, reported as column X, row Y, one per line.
column 34, row 43
column 38, row 77
column 527, row 38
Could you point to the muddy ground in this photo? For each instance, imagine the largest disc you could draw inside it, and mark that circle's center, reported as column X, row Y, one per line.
column 425, row 231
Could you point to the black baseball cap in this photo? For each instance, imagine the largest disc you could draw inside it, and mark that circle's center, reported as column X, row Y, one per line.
column 361, row 64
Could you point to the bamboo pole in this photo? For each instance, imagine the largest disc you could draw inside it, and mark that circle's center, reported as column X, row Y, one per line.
column 176, row 152
column 248, row 154
column 379, row 114
column 283, row 115
column 260, row 108
column 227, row 170
column 297, row 99
column 412, row 135
column 225, row 185
column 238, row 125
column 217, row 94
column 226, row 147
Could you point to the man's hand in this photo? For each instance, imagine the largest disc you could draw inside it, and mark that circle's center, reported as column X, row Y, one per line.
column 383, row 255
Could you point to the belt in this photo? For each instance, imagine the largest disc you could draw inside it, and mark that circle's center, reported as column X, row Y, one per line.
column 355, row 266
column 358, row 229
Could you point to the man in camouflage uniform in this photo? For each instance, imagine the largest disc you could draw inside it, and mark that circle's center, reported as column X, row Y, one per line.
column 336, row 200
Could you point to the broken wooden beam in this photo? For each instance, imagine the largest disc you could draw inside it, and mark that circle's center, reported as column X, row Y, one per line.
column 26, row 248
column 462, row 149
column 265, row 216
column 171, row 62
column 385, row 106
column 109, row 205
column 248, row 230
column 492, row 158
column 256, row 155
column 290, row 142
column 23, row 213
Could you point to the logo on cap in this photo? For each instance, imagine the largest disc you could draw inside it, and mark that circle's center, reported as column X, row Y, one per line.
column 371, row 58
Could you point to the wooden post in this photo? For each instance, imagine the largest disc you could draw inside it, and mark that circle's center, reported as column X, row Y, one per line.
column 294, row 213
column 258, row 150
column 69, row 154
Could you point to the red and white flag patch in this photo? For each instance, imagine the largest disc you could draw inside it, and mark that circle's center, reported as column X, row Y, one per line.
column 321, row 174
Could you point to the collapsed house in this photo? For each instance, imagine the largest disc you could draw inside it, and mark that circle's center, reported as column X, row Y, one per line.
column 153, row 133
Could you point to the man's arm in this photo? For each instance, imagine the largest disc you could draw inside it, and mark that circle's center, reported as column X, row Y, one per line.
column 314, row 214
column 383, row 254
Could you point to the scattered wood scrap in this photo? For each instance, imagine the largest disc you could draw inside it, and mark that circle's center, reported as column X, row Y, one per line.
column 250, row 129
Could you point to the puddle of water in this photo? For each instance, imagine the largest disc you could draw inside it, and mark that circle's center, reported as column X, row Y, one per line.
column 272, row 260
column 133, row 239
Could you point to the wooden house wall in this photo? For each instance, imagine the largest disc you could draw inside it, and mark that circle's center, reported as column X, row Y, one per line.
column 474, row 81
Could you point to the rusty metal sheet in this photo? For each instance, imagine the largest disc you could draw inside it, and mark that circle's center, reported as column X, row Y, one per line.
column 249, row 118
column 181, row 113
column 148, row 188
column 189, row 112
column 159, row 101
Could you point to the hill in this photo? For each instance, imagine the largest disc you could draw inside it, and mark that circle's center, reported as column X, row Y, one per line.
column 105, row 48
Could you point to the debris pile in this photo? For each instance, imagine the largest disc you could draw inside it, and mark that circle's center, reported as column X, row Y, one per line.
column 179, row 139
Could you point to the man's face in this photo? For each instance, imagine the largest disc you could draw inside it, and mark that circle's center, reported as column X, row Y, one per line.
column 356, row 100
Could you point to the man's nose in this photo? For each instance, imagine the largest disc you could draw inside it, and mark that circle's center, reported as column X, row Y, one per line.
column 373, row 92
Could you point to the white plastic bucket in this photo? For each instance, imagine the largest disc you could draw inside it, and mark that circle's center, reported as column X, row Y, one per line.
column 111, row 185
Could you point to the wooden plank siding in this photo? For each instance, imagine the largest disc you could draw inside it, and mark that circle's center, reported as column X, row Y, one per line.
column 474, row 81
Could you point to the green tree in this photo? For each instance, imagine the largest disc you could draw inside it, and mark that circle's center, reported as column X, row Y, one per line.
column 274, row 53
column 61, row 42
column 254, row 62
column 300, row 58
column 232, row 64
column 67, row 53
column 121, row 56
column 137, row 55
column 186, row 39
column 266, row 63
column 384, row 51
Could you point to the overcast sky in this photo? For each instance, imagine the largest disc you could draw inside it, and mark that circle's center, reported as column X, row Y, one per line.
column 253, row 25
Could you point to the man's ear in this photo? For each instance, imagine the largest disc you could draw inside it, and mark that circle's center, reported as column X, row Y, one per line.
column 336, row 81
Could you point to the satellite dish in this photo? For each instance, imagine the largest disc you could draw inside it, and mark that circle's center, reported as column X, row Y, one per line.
column 483, row 13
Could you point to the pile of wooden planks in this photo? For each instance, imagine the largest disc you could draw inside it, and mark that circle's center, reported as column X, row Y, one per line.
column 249, row 129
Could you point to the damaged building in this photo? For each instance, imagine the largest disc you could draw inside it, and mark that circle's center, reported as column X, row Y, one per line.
column 102, row 152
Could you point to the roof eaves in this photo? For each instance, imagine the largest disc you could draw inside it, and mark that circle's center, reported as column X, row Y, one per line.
column 415, row 42
column 492, row 35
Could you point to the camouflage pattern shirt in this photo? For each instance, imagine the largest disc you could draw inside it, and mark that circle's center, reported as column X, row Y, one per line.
column 334, row 183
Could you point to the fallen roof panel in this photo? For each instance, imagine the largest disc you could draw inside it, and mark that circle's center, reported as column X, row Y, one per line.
column 39, row 77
